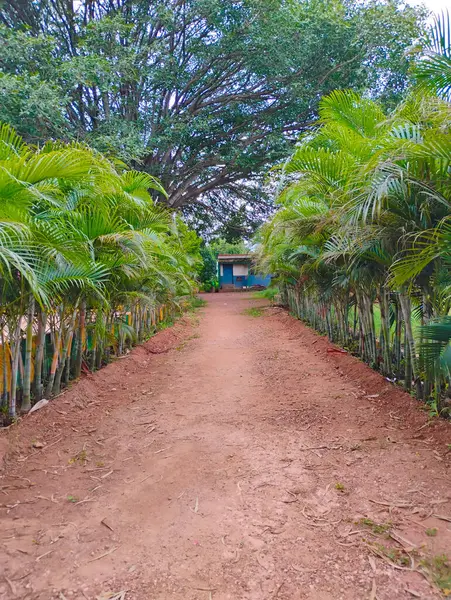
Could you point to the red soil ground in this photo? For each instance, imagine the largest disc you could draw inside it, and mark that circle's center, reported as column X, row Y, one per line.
column 237, row 465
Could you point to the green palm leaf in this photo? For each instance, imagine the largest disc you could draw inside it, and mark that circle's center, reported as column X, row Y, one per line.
column 434, row 69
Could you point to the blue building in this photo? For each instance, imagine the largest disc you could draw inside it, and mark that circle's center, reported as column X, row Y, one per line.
column 236, row 271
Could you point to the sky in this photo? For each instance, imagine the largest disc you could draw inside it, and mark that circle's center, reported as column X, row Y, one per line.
column 433, row 5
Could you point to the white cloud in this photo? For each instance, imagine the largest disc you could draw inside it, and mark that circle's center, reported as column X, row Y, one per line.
column 435, row 6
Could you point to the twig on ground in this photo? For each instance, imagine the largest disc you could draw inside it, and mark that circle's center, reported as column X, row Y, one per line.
column 52, row 444
column 372, row 563
column 276, row 595
column 309, row 519
column 391, row 504
column 355, row 532
column 418, row 523
column 320, row 448
column 423, row 426
column 145, row 446
column 388, row 561
column 196, row 506
column 98, row 469
column 146, row 478
column 413, row 593
column 19, row 477
column 84, row 501
column 373, row 590
column 346, row 545
column 43, row 498
column 406, row 544
column 104, row 554
column 112, row 595
column 11, row 585
column 442, row 517
column 42, row 555
column 105, row 524
column 306, row 428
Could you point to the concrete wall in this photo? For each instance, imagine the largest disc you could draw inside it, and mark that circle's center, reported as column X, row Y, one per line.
column 242, row 278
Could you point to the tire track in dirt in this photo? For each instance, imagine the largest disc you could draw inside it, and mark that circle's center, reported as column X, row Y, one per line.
column 238, row 465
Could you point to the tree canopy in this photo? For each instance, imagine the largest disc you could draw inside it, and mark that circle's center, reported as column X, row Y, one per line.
column 200, row 93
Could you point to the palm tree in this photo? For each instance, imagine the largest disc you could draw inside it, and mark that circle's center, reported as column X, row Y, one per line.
column 365, row 206
column 433, row 70
column 86, row 261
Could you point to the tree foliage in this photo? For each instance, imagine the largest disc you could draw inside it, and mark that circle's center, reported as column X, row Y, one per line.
column 364, row 226
column 434, row 69
column 208, row 269
column 200, row 93
column 88, row 264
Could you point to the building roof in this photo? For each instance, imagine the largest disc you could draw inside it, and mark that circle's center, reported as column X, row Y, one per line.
column 231, row 257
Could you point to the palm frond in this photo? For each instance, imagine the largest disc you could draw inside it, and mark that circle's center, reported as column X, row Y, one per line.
column 434, row 69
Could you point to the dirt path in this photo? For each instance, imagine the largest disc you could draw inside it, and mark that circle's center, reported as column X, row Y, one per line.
column 237, row 465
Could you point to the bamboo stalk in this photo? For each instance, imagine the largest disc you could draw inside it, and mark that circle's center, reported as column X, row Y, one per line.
column 55, row 357
column 68, row 360
column 14, row 369
column 407, row 364
column 407, row 314
column 5, row 362
column 66, row 336
column 385, row 330
column 26, row 390
column 40, row 343
column 81, row 338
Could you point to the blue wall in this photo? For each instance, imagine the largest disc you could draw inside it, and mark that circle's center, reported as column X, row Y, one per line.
column 259, row 280
column 240, row 281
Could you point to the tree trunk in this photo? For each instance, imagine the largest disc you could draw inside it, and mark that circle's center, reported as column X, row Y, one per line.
column 56, row 352
column 26, row 392
column 67, row 339
column 407, row 364
column 397, row 341
column 5, row 361
column 426, row 317
column 385, row 329
column 81, row 338
column 14, row 370
column 38, row 387
column 407, row 314
column 68, row 360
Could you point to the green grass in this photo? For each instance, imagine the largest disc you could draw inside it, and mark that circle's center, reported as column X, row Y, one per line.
column 269, row 293
column 253, row 312
column 377, row 321
column 439, row 570
column 376, row 528
column 194, row 303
